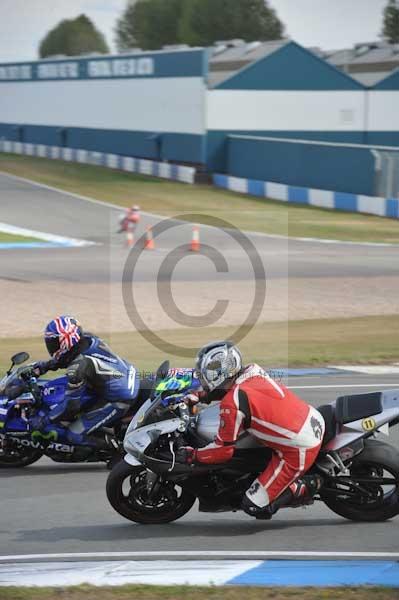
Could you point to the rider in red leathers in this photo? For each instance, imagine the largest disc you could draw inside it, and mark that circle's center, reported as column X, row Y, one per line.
column 130, row 220
column 252, row 401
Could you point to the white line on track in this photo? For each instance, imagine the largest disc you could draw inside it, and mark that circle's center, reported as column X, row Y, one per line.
column 254, row 233
column 340, row 386
column 198, row 555
column 41, row 235
column 326, row 241
column 368, row 369
column 78, row 196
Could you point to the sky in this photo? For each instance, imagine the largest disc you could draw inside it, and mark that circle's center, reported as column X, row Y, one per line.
column 329, row 24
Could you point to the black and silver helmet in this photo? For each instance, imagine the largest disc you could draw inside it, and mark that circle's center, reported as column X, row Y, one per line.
column 216, row 363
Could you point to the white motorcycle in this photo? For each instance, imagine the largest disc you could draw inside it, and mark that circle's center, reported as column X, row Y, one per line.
column 360, row 472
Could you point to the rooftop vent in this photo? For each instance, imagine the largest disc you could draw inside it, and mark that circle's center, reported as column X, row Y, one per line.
column 364, row 47
column 236, row 43
column 252, row 46
column 218, row 49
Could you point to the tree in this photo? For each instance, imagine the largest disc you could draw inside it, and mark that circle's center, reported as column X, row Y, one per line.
column 151, row 24
column 73, row 37
column 391, row 22
column 126, row 28
column 206, row 21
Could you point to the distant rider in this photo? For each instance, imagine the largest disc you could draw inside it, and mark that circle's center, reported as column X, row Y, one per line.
column 98, row 380
column 129, row 221
column 252, row 401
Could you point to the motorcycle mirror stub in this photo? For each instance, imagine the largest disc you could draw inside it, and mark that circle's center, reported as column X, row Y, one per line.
column 19, row 358
column 162, row 370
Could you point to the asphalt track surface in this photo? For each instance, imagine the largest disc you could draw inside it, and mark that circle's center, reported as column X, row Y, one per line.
column 35, row 207
column 50, row 508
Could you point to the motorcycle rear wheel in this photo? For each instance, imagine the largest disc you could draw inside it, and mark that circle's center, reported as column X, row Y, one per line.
column 377, row 457
column 19, row 457
column 169, row 505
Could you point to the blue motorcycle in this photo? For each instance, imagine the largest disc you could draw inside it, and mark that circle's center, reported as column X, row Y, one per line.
column 22, row 396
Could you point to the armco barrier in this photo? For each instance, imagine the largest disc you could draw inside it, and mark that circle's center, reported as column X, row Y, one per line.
column 340, row 167
column 382, row 207
column 113, row 161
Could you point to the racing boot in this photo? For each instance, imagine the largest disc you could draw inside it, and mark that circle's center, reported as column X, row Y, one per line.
column 253, row 510
column 303, row 490
column 256, row 493
column 299, row 493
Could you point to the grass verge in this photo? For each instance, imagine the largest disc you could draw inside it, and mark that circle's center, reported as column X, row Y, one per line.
column 317, row 342
column 9, row 238
column 145, row 592
column 170, row 198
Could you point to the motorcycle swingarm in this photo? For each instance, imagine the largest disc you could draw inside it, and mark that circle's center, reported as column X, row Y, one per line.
column 366, row 480
column 355, row 488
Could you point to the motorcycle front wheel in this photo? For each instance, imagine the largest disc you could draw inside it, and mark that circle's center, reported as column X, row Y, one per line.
column 19, row 457
column 381, row 501
column 128, row 494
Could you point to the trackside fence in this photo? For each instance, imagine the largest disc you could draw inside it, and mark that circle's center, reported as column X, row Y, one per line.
column 163, row 170
column 381, row 207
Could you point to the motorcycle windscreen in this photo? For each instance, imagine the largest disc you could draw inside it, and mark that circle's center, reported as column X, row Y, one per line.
column 137, row 441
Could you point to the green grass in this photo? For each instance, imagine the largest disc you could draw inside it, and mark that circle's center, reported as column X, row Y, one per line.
column 170, row 198
column 317, row 342
column 146, row 592
column 8, row 238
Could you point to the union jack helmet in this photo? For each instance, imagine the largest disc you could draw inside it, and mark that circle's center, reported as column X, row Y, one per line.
column 62, row 335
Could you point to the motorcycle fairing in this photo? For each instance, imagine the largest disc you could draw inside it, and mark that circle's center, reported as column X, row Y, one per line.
column 53, row 392
column 138, row 440
column 349, row 432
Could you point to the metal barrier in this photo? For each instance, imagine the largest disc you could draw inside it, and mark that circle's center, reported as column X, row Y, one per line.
column 386, row 173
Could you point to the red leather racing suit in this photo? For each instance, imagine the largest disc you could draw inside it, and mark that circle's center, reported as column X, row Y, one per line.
column 278, row 419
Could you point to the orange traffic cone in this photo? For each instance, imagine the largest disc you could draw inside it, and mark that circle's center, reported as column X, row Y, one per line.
column 149, row 242
column 129, row 238
column 195, row 241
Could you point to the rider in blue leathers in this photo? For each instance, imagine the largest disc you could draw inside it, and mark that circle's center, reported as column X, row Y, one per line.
column 101, row 387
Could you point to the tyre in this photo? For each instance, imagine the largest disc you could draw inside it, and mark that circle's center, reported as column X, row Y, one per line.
column 127, row 494
column 378, row 459
column 19, row 457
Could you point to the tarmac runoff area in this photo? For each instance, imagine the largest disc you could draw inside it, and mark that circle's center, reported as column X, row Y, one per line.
column 305, row 279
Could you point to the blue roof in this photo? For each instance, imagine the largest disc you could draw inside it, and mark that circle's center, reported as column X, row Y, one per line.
column 290, row 67
column 390, row 82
